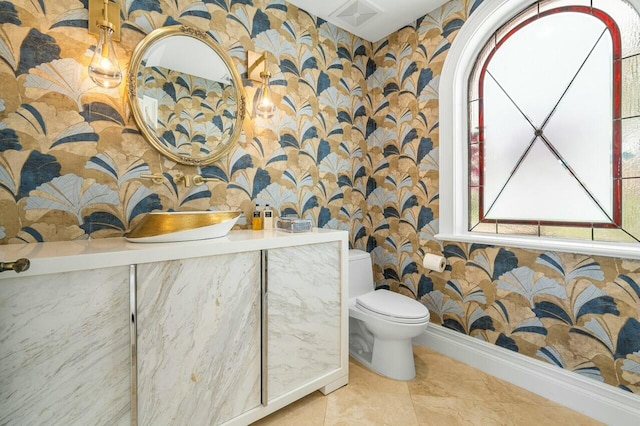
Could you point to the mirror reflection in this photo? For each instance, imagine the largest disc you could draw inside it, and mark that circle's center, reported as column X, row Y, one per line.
column 187, row 100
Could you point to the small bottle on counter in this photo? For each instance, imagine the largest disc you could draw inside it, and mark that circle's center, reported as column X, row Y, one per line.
column 256, row 222
column 267, row 217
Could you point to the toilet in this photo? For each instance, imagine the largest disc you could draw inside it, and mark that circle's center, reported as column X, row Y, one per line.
column 382, row 323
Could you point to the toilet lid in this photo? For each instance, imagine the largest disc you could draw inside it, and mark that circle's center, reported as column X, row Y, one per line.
column 395, row 306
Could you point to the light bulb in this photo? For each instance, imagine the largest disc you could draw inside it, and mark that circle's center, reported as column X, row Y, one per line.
column 263, row 106
column 104, row 69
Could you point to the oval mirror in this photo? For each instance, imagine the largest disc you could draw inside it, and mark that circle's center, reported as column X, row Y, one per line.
column 186, row 95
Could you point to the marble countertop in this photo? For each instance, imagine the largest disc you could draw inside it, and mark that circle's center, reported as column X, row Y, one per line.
column 66, row 256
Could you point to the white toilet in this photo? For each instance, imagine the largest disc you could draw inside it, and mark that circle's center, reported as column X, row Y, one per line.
column 382, row 323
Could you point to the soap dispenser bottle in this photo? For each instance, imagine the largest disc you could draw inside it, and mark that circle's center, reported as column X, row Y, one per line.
column 267, row 217
column 256, row 222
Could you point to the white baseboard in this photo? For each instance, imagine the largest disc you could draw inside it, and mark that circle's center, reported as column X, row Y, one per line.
column 597, row 400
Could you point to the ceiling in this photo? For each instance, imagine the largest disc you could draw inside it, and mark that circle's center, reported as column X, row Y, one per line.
column 370, row 19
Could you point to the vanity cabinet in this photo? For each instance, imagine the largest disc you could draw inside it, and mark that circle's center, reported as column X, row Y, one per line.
column 64, row 348
column 198, row 327
column 203, row 332
column 214, row 332
column 304, row 315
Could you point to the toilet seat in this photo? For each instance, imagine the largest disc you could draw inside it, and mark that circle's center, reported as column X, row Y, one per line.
column 393, row 307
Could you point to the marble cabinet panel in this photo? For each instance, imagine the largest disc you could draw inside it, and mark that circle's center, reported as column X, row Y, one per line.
column 304, row 315
column 198, row 339
column 64, row 348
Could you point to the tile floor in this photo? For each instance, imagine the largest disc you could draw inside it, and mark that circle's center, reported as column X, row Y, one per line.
column 444, row 392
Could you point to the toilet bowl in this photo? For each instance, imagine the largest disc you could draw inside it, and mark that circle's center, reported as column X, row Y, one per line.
column 382, row 323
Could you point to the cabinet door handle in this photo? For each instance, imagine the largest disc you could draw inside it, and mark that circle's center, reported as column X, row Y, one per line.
column 19, row 265
column 264, row 303
column 133, row 345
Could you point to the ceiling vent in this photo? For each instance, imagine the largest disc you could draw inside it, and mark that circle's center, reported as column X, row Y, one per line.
column 355, row 13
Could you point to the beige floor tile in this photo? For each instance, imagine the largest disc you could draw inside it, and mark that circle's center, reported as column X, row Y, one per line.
column 506, row 392
column 308, row 411
column 443, row 377
column 435, row 411
column 445, row 392
column 533, row 415
column 354, row 406
column 434, row 363
column 361, row 377
column 419, row 350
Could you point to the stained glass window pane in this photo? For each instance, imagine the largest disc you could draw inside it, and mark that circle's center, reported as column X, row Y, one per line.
column 474, row 164
column 583, row 119
column 549, row 155
column 488, row 228
column 516, row 22
column 627, row 20
column 547, row 5
column 631, row 212
column 474, row 92
column 630, row 87
column 474, row 202
column 507, row 228
column 565, row 232
column 631, row 147
column 614, row 235
column 507, row 135
column 542, row 189
column 536, row 64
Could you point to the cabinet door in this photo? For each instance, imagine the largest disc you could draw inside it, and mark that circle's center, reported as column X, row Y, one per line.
column 303, row 315
column 64, row 348
column 198, row 339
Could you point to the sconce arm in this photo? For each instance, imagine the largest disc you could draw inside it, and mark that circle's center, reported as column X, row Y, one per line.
column 254, row 61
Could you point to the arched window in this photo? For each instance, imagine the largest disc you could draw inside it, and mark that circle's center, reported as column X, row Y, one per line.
column 551, row 137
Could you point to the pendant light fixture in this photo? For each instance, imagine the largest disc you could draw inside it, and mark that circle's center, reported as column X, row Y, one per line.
column 263, row 105
column 104, row 69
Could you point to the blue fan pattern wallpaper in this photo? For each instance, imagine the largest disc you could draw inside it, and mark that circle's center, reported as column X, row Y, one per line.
column 354, row 146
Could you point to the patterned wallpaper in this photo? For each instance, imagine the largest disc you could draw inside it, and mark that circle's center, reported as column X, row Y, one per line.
column 71, row 156
column 577, row 312
column 354, row 146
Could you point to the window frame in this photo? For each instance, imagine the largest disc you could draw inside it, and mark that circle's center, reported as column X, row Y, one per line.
column 453, row 147
column 616, row 182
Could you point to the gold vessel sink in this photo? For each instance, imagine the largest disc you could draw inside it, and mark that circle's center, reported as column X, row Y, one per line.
column 167, row 227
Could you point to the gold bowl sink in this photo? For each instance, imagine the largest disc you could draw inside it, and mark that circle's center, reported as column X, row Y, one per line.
column 168, row 227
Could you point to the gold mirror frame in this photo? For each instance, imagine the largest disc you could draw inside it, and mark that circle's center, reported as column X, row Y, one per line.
column 151, row 137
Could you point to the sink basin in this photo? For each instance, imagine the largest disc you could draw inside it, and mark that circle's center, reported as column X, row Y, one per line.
column 169, row 227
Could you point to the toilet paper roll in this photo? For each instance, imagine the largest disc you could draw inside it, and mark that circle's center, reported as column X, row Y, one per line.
column 434, row 262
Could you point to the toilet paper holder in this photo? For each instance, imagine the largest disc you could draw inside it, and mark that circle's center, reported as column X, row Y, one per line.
column 434, row 262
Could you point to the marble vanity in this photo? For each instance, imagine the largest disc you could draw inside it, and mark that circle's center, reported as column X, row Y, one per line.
column 222, row 331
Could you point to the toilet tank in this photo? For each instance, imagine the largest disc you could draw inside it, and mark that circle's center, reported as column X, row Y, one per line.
column 360, row 273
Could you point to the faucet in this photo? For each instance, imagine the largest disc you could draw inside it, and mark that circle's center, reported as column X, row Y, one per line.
column 188, row 180
column 179, row 177
column 19, row 265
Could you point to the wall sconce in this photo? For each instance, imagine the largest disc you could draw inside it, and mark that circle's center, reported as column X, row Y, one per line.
column 104, row 69
column 263, row 105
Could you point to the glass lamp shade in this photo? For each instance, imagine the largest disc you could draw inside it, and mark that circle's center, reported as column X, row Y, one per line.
column 104, row 69
column 263, row 106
